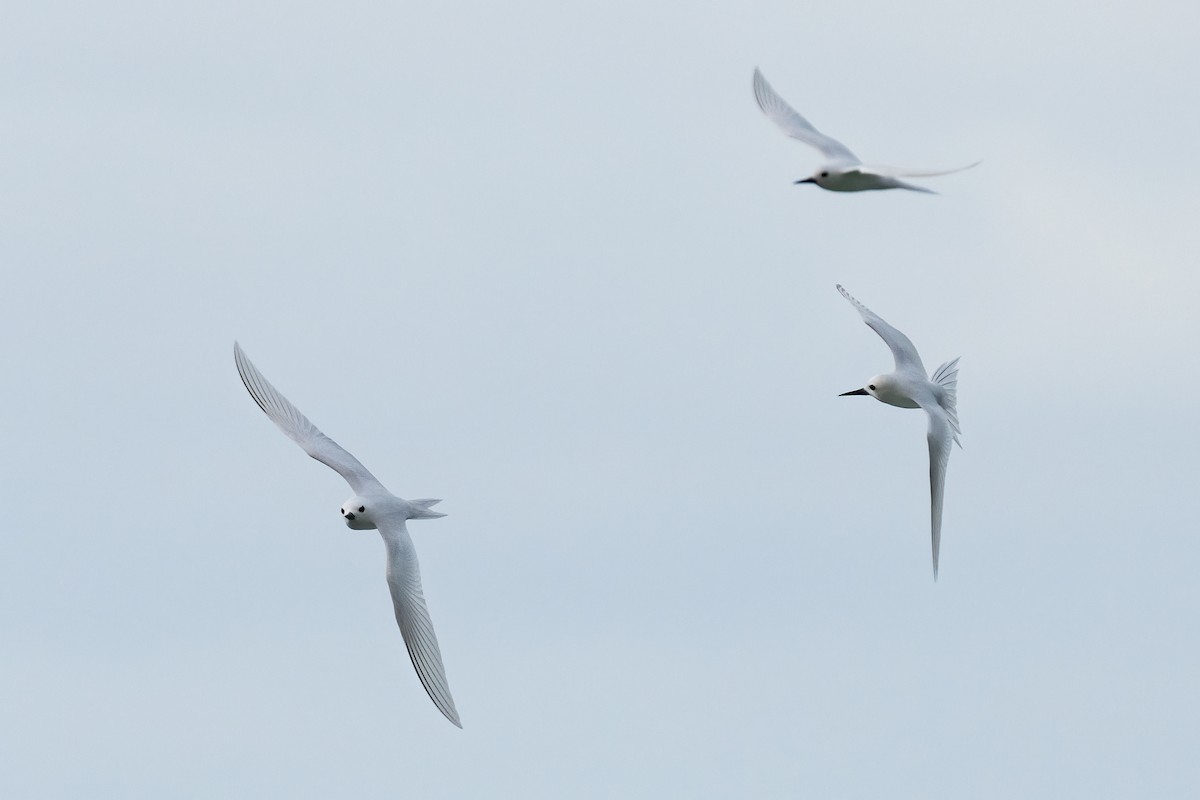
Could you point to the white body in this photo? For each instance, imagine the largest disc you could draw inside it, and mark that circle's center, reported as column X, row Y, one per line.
column 909, row 387
column 372, row 507
column 843, row 172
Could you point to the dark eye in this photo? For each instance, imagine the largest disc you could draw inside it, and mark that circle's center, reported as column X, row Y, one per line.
column 824, row 174
column 871, row 387
column 364, row 508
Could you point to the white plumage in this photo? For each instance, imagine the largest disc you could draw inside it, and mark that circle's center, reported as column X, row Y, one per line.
column 372, row 507
column 908, row 387
column 843, row 171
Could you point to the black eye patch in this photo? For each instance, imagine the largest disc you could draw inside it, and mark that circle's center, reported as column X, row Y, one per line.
column 364, row 508
column 871, row 387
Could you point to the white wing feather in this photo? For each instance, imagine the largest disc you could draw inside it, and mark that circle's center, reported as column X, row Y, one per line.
column 300, row 430
column 796, row 126
column 404, row 580
column 905, row 354
column 941, row 436
column 901, row 172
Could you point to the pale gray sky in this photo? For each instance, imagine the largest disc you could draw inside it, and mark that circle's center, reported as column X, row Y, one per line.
column 546, row 262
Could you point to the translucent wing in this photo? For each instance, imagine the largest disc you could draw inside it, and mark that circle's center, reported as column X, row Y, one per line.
column 901, row 346
column 901, row 172
column 796, row 126
column 404, row 580
column 941, row 435
column 300, row 430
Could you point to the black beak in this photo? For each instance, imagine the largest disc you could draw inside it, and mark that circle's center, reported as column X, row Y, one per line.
column 856, row 391
column 806, row 180
column 351, row 516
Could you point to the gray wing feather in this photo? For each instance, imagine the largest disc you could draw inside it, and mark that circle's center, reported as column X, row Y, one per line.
column 941, row 435
column 903, row 350
column 796, row 126
column 901, row 172
column 404, row 581
column 300, row 430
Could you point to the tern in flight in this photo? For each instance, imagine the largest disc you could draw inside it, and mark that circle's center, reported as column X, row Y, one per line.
column 371, row 508
column 908, row 387
column 843, row 171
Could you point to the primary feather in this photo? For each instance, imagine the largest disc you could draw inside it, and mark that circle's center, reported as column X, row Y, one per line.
column 903, row 350
column 416, row 626
column 300, row 430
column 795, row 125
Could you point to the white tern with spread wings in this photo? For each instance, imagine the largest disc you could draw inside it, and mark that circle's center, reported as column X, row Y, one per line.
column 843, row 172
column 372, row 507
column 908, row 387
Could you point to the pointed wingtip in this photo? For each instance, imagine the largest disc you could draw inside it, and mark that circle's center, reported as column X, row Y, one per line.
column 239, row 355
column 448, row 711
column 762, row 91
column 842, row 289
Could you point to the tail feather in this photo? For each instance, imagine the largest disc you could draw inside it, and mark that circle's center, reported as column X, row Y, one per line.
column 946, row 376
column 421, row 509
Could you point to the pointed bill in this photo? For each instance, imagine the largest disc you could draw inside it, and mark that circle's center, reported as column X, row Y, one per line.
column 404, row 581
column 300, row 430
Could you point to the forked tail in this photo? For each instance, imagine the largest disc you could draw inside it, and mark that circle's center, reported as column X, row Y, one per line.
column 946, row 376
column 421, row 509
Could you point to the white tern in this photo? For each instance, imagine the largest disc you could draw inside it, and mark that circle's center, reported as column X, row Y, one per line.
column 372, row 507
column 908, row 387
column 844, row 171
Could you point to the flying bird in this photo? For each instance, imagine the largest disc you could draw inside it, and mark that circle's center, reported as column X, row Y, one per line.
column 843, row 171
column 908, row 387
column 371, row 508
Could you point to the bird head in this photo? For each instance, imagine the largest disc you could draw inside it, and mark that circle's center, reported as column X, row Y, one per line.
column 871, row 389
column 357, row 513
column 820, row 177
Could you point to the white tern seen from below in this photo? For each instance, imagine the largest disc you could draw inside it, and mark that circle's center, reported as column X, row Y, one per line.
column 843, row 171
column 908, row 387
column 372, row 507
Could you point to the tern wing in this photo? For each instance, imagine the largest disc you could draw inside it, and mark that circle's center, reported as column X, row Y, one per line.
column 941, row 435
column 901, row 346
column 901, row 172
column 300, row 430
column 796, row 126
column 404, row 580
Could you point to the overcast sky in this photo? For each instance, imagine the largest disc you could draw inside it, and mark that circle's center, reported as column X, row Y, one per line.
column 546, row 261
